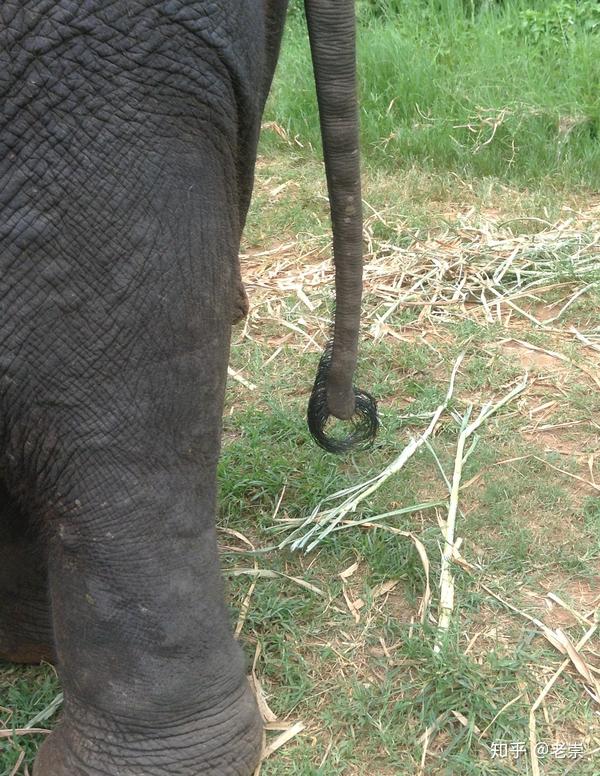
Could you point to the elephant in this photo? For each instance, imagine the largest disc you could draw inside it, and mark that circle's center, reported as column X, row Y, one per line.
column 128, row 139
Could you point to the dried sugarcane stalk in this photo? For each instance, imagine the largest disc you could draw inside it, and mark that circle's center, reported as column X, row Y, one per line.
column 446, row 577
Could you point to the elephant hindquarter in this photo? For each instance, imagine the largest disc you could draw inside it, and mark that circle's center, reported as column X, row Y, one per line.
column 126, row 145
column 126, row 153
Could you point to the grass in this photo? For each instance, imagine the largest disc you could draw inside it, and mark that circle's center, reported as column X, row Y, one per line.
column 337, row 634
column 370, row 690
column 373, row 693
column 482, row 91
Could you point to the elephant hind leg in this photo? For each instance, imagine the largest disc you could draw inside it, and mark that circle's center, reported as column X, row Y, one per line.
column 25, row 624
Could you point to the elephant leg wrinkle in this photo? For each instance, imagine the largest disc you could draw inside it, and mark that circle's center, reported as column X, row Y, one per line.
column 111, row 405
column 128, row 138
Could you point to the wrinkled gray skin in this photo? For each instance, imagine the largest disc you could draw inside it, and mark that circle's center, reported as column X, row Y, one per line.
column 127, row 143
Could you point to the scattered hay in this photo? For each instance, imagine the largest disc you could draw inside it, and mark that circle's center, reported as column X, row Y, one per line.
column 476, row 270
column 487, row 271
column 451, row 546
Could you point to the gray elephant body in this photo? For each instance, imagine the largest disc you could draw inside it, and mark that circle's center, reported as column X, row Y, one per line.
column 127, row 145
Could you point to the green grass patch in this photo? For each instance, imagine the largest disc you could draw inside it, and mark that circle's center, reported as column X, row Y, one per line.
column 504, row 90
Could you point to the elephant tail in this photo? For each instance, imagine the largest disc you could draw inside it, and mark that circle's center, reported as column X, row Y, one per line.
column 332, row 33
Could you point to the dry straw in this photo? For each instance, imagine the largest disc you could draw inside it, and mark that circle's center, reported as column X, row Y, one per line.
column 468, row 429
column 477, row 269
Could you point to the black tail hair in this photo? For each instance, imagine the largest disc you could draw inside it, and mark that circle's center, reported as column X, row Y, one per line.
column 365, row 421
